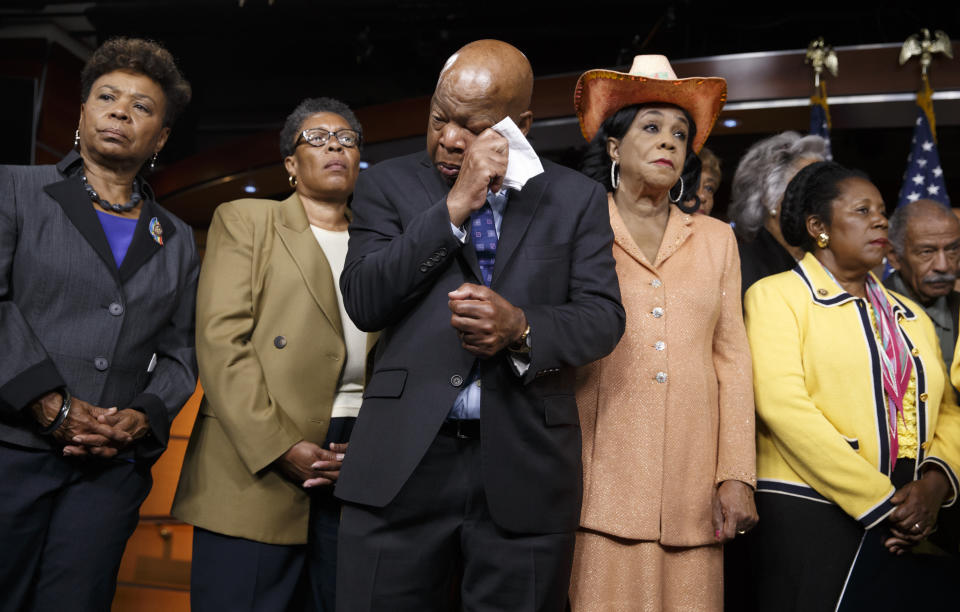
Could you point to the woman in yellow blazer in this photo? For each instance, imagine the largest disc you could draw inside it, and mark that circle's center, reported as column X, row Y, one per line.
column 282, row 368
column 858, row 437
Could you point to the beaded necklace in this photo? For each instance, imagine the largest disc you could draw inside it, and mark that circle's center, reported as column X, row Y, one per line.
column 135, row 197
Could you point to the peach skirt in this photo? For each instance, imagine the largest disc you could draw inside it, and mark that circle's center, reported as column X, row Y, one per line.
column 613, row 574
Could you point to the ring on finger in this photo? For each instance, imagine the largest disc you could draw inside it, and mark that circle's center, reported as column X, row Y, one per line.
column 916, row 527
column 741, row 531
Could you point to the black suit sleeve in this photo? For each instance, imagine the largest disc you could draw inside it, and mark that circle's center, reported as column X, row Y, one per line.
column 390, row 264
column 589, row 325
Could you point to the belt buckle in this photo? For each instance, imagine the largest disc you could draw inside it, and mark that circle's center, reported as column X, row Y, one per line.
column 460, row 435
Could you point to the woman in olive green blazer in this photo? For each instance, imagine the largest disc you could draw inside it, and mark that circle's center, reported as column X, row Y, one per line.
column 282, row 369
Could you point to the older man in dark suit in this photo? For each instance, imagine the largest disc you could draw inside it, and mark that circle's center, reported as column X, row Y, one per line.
column 925, row 236
column 466, row 453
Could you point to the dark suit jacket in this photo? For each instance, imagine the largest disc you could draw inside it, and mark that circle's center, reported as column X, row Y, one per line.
column 554, row 260
column 69, row 317
column 762, row 257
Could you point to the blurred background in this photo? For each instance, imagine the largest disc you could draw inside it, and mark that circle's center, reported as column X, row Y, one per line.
column 251, row 61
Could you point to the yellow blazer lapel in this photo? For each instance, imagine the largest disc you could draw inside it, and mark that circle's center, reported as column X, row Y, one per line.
column 295, row 234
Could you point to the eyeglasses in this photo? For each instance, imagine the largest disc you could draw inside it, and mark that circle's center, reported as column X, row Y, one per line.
column 318, row 137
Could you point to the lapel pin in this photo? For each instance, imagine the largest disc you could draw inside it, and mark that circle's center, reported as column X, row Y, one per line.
column 156, row 231
column 822, row 292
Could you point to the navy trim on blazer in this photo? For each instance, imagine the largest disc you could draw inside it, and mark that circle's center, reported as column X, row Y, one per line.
column 901, row 305
column 921, row 403
column 883, row 427
column 767, row 485
column 840, row 298
column 870, row 518
column 951, row 476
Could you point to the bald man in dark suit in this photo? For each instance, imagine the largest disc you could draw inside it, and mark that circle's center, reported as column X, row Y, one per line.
column 466, row 453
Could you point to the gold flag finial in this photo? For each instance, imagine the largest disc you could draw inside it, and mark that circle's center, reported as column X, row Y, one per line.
column 821, row 55
column 925, row 47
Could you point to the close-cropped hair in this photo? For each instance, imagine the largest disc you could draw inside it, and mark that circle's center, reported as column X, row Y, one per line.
column 903, row 214
column 311, row 106
column 811, row 194
column 596, row 161
column 761, row 178
column 144, row 57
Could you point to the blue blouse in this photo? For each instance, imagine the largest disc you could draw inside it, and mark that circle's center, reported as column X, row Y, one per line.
column 119, row 231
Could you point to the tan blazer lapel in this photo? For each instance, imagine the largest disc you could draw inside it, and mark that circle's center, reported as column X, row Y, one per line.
column 676, row 233
column 294, row 231
column 678, row 230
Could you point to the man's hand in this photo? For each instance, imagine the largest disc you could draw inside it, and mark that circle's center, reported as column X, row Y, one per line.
column 82, row 432
column 918, row 504
column 734, row 511
column 484, row 166
column 328, row 469
column 485, row 322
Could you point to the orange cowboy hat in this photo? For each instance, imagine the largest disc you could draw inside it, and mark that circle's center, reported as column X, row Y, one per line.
column 600, row 93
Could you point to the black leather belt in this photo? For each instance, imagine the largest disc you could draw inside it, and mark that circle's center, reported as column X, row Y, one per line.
column 466, row 429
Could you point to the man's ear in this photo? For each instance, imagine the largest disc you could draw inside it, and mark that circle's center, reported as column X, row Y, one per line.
column 525, row 121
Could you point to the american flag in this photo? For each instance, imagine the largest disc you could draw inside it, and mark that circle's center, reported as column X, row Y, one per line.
column 924, row 176
column 923, row 179
column 820, row 116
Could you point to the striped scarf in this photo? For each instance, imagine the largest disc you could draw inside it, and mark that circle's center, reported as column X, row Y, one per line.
column 894, row 360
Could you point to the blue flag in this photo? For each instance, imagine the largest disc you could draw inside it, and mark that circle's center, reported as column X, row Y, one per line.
column 820, row 116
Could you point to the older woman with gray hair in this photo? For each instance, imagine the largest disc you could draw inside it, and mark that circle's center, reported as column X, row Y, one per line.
column 758, row 185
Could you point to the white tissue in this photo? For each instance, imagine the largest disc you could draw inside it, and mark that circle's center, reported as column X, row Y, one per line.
column 522, row 161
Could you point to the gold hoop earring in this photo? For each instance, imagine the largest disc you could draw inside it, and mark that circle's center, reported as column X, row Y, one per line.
column 293, row 181
column 823, row 239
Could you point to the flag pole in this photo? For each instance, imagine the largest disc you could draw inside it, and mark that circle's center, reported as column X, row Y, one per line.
column 821, row 56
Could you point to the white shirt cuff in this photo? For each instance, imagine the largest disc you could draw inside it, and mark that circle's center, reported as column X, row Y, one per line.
column 459, row 233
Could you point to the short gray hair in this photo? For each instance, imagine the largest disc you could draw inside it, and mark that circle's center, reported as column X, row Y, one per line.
column 312, row 106
column 760, row 179
column 900, row 219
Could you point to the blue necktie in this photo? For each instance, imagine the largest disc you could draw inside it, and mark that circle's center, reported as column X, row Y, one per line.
column 484, row 236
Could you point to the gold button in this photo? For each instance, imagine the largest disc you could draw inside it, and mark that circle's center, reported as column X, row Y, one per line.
column 923, row 397
column 821, row 292
column 915, row 351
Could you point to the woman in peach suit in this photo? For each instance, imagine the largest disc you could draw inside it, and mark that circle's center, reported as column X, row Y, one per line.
column 667, row 417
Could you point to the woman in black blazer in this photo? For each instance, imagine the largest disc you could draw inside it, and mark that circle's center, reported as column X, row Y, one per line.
column 97, row 293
